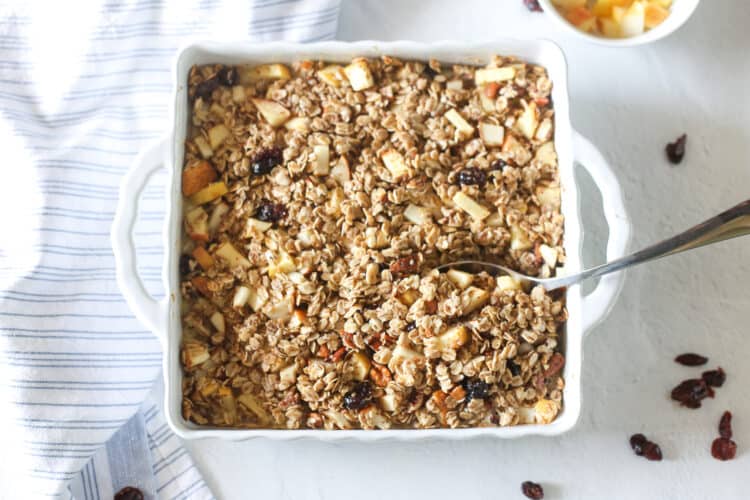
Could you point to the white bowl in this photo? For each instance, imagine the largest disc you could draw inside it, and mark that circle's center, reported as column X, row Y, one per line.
column 163, row 317
column 681, row 10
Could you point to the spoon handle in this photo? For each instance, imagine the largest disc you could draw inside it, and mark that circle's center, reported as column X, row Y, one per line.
column 728, row 224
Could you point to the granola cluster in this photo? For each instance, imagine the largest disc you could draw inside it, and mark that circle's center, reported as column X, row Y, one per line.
column 319, row 198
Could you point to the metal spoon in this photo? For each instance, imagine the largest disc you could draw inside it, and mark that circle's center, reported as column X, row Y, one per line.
column 728, row 224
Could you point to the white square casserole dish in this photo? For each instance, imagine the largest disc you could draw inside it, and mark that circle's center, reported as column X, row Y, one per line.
column 163, row 318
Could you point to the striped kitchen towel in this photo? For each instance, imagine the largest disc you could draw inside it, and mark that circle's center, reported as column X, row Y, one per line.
column 84, row 86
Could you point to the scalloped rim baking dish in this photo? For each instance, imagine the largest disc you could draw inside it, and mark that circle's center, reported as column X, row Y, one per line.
column 163, row 317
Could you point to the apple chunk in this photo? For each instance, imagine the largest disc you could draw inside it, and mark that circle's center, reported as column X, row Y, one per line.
column 359, row 75
column 467, row 203
column 395, row 163
column 491, row 134
column 196, row 177
column 273, row 112
column 264, row 72
column 488, row 75
column 228, row 253
column 462, row 126
column 209, row 193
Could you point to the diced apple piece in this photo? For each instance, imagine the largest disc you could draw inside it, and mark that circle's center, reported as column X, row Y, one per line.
column 194, row 353
column 238, row 94
column 546, row 411
column 321, row 166
column 338, row 419
column 196, row 177
column 200, row 283
column 409, row 297
column 217, row 135
column 205, row 150
column 544, row 131
column 487, row 75
column 359, row 365
column 228, row 253
column 569, row 4
column 241, row 296
column 332, row 75
column 359, row 75
column 488, row 103
column 335, row 198
column 203, row 257
column 264, row 72
column 454, row 337
column 254, row 225
column 454, row 85
column 340, row 171
column 217, row 319
column 284, row 264
column 417, row 215
column 602, row 8
column 299, row 124
column 462, row 126
column 217, row 110
column 528, row 120
column 516, row 150
column 215, row 220
column 491, row 134
column 505, row 282
column 634, row 21
column 473, row 298
column 618, row 14
column 466, row 203
column 663, row 3
column 281, row 310
column 209, row 388
column 388, row 403
column 549, row 196
column 196, row 224
column 273, row 112
column 288, row 375
column 254, row 405
column 402, row 353
column 654, row 15
column 460, row 278
column 546, row 154
column 519, row 239
column 395, row 163
column 228, row 404
column 209, row 193
column 581, row 18
column 495, row 220
column 549, row 255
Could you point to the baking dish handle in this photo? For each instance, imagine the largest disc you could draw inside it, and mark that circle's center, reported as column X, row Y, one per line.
column 598, row 303
column 152, row 313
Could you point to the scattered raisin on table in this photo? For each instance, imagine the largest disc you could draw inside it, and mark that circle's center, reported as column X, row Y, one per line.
column 725, row 425
column 637, row 442
column 532, row 490
column 359, row 397
column 690, row 392
column 643, row 447
column 714, row 378
column 652, row 451
column 472, row 175
column 270, row 212
column 264, row 161
column 691, row 359
column 475, row 389
column 723, row 449
column 676, row 150
column 533, row 5
column 129, row 493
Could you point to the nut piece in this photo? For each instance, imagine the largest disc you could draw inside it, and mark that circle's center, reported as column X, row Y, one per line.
column 358, row 73
column 209, row 193
column 459, row 278
column 466, row 203
column 546, row 411
column 487, row 75
column 196, row 177
column 395, row 163
column 228, row 253
column 273, row 112
column 462, row 126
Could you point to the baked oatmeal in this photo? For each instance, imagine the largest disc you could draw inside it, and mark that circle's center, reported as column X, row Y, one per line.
column 318, row 200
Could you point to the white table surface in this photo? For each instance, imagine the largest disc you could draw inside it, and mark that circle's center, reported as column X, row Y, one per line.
column 630, row 102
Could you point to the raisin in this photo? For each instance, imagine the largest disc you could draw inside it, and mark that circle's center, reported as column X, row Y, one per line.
column 184, row 264
column 723, row 449
column 129, row 493
column 652, row 451
column 411, row 326
column 690, row 392
column 714, row 378
column 638, row 442
column 228, row 76
column 725, row 425
column 473, row 176
column 533, row 5
column 676, row 150
column 359, row 397
column 430, row 71
column 270, row 212
column 206, row 88
column 475, row 389
column 556, row 363
column 406, row 265
column 515, row 370
column 691, row 359
column 263, row 162
column 532, row 490
column 498, row 164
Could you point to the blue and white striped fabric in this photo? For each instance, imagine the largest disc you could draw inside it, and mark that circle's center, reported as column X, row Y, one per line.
column 78, row 100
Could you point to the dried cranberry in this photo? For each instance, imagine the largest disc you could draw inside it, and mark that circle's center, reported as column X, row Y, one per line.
column 652, row 451
column 206, row 88
column 690, row 392
column 723, row 449
column 533, row 5
column 266, row 160
column 714, row 378
column 129, row 493
column 515, row 370
column 532, row 490
column 638, row 442
column 556, row 363
column 228, row 76
column 475, row 389
column 725, row 425
column 498, row 164
column 676, row 150
column 184, row 264
column 270, row 212
column 691, row 359
column 359, row 397
column 406, row 265
column 473, row 176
